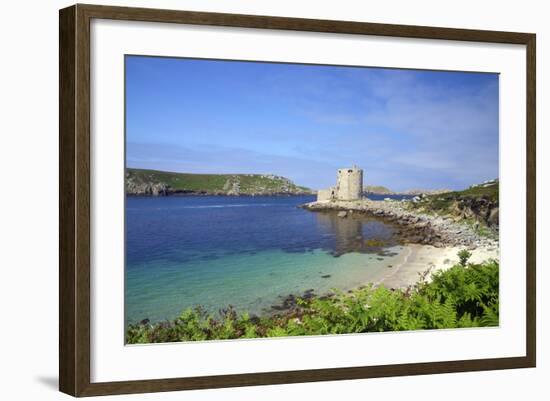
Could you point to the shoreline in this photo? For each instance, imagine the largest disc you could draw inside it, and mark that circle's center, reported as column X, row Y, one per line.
column 424, row 260
column 430, row 244
column 418, row 264
column 412, row 227
column 312, row 314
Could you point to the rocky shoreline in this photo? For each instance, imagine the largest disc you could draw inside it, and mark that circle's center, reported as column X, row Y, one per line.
column 411, row 226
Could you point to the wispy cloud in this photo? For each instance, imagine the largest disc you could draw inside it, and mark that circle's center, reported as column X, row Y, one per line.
column 405, row 128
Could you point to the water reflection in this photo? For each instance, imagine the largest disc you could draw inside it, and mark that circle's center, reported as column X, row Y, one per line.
column 354, row 233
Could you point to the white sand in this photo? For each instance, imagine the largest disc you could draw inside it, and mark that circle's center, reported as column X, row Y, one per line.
column 417, row 259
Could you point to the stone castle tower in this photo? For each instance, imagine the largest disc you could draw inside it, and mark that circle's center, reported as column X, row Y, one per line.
column 349, row 183
column 349, row 186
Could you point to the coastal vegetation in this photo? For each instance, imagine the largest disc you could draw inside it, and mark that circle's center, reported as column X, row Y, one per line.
column 382, row 190
column 154, row 182
column 477, row 205
column 465, row 295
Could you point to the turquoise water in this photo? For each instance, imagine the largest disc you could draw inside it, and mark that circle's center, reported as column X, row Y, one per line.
column 249, row 252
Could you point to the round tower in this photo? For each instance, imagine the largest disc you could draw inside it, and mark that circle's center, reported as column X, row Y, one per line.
column 349, row 183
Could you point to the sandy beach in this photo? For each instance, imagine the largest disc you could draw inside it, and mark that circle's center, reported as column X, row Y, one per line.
column 419, row 259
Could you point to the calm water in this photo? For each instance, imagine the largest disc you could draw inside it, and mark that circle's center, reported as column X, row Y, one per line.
column 244, row 251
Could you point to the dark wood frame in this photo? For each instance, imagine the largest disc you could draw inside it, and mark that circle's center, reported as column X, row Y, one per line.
column 74, row 199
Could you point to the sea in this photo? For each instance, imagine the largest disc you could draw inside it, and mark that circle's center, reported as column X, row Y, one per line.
column 247, row 252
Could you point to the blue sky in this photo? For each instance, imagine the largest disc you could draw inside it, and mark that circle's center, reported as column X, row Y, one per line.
column 405, row 128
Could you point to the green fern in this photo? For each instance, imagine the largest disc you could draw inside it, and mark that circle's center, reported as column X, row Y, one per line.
column 459, row 297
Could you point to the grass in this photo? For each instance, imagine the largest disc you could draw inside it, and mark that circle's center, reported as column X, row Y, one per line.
column 248, row 183
column 466, row 295
column 442, row 203
column 181, row 181
column 454, row 204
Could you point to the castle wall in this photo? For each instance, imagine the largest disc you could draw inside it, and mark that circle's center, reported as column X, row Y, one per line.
column 326, row 194
column 349, row 184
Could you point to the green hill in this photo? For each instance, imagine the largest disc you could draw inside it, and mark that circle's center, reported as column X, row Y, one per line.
column 153, row 182
column 378, row 189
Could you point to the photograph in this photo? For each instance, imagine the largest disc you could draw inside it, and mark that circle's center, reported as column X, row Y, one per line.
column 269, row 199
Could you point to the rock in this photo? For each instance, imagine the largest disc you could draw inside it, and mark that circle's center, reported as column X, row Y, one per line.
column 492, row 220
column 146, row 188
column 159, row 189
column 342, row 214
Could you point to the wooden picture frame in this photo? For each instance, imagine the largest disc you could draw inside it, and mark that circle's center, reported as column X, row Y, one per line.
column 74, row 199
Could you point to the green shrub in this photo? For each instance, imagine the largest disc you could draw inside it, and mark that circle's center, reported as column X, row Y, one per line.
column 463, row 256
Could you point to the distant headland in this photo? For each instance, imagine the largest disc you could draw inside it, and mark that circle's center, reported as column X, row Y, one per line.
column 140, row 182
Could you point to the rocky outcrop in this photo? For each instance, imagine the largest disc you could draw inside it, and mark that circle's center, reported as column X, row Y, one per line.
column 480, row 209
column 477, row 205
column 146, row 188
column 232, row 186
column 492, row 218
column 343, row 214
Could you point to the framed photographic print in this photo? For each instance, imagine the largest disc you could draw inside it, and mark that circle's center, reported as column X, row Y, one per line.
column 250, row 200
